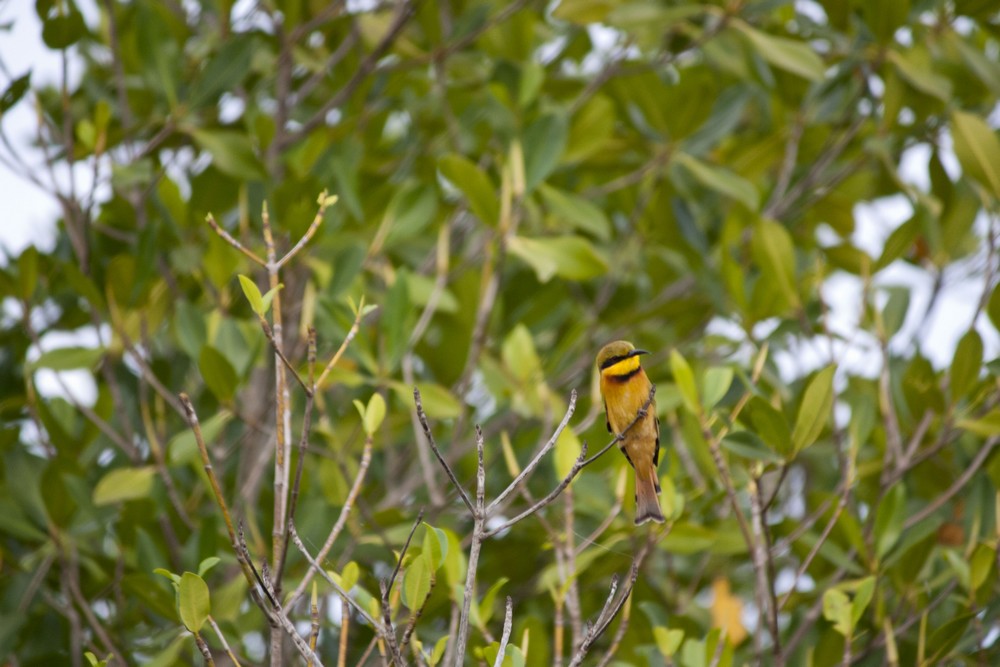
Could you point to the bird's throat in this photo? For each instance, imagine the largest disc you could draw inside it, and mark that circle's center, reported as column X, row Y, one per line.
column 623, row 370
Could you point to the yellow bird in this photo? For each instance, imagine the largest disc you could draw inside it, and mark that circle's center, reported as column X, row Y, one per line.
column 626, row 388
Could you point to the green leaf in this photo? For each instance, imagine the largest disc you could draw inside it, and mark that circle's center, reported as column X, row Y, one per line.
column 570, row 257
column 715, row 384
column 438, row 651
column 544, row 142
column 224, row 71
column 175, row 578
column 986, row 426
column 966, row 365
column 889, row 520
column 231, row 152
column 944, row 639
column 722, row 180
column 486, row 604
column 411, row 209
column 684, row 379
column 218, row 373
column 123, row 484
column 14, row 92
column 374, row 414
column 993, row 307
column 748, row 445
column 788, row 54
column 252, row 293
column 575, row 211
column 774, row 252
column 977, row 148
column 668, row 641
column 837, row 610
column 64, row 29
column 27, row 272
column 416, row 582
column 863, row 592
column 474, row 184
column 568, row 448
column 435, row 546
column 519, row 355
column 980, row 564
column 207, row 564
column 814, row 411
column 900, row 240
column 583, row 12
column 193, row 601
column 158, row 50
column 269, row 296
column 68, row 358
column 591, row 129
column 919, row 74
column 349, row 576
column 771, row 426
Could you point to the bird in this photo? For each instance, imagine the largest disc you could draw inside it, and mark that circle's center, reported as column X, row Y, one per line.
column 626, row 390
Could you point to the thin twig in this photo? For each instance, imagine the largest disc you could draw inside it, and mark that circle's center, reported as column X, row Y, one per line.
column 228, row 238
column 528, row 469
column 343, row 346
column 507, row 618
column 315, row 566
column 206, row 652
column 437, row 452
column 579, row 464
column 402, row 554
column 957, row 485
column 478, row 536
column 220, row 500
column 314, row 621
column 225, row 644
column 352, row 495
column 345, row 622
column 406, row 10
column 608, row 613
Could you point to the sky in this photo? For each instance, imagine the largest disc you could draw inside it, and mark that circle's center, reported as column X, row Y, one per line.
column 30, row 220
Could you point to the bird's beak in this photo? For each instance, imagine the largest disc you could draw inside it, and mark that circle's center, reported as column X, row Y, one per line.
column 636, row 353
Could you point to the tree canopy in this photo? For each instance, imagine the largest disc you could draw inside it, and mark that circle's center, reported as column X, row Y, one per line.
column 280, row 217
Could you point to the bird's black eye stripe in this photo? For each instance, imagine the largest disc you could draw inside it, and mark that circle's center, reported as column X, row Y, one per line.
column 613, row 360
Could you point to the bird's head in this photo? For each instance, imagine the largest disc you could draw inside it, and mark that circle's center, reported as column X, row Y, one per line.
column 616, row 352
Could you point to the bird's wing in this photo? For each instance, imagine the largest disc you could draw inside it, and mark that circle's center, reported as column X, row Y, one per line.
column 656, row 451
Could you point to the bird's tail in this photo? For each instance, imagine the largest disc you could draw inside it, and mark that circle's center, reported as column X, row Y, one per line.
column 647, row 501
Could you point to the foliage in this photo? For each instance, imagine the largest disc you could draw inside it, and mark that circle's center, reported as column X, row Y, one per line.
column 516, row 184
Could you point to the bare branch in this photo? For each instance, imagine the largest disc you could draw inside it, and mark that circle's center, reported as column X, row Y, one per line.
column 343, row 347
column 315, row 566
column 352, row 496
column 528, row 469
column 437, row 452
column 608, row 613
column 307, row 388
column 507, row 619
column 206, row 652
column 402, row 554
column 957, row 485
column 314, row 622
column 325, row 201
column 225, row 644
column 365, row 68
column 228, row 238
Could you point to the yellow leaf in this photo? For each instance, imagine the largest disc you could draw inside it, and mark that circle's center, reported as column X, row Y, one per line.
column 726, row 610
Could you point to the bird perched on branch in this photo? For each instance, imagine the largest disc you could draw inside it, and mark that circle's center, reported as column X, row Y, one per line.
column 628, row 398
